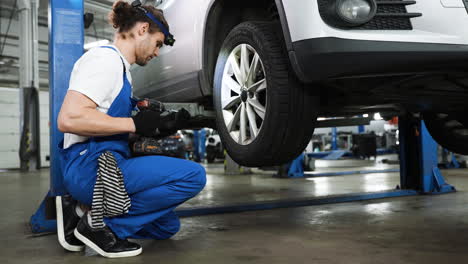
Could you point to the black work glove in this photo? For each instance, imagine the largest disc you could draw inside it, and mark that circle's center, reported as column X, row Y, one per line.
column 173, row 121
column 147, row 122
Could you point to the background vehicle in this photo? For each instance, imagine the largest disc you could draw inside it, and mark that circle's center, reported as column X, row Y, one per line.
column 187, row 137
column 268, row 68
column 214, row 147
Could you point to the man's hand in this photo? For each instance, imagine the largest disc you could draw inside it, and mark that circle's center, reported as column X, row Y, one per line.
column 147, row 122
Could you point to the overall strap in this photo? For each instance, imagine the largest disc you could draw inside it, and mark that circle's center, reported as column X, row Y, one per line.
column 112, row 48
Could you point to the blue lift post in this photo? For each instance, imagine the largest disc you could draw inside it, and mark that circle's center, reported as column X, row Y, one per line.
column 196, row 146
column 419, row 159
column 66, row 39
column 334, row 141
column 202, row 144
column 452, row 163
column 199, row 148
column 361, row 129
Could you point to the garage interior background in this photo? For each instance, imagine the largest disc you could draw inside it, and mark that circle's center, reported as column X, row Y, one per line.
column 418, row 229
column 10, row 53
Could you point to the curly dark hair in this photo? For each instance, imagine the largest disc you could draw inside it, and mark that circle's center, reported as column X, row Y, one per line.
column 123, row 17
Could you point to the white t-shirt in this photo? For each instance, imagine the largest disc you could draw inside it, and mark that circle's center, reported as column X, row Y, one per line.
column 98, row 74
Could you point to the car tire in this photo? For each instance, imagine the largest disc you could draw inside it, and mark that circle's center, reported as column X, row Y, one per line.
column 448, row 131
column 286, row 122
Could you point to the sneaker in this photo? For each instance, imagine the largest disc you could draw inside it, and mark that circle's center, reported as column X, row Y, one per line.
column 104, row 241
column 67, row 220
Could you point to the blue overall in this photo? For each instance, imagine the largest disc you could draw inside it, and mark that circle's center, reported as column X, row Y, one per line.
column 156, row 184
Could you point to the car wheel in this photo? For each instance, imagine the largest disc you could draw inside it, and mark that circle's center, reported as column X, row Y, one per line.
column 265, row 117
column 449, row 130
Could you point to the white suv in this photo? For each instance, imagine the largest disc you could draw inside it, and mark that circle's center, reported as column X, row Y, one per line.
column 268, row 68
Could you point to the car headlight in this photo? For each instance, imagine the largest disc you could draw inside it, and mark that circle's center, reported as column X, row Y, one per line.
column 355, row 12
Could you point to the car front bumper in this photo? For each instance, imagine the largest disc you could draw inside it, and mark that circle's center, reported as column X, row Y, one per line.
column 321, row 59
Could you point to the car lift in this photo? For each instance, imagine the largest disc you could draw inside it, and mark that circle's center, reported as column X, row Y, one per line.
column 419, row 173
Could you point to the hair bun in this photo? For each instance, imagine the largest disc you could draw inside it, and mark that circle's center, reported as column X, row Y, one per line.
column 121, row 11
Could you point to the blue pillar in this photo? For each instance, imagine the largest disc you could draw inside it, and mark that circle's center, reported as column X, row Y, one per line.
column 454, row 162
column 361, row 129
column 296, row 167
column 334, row 138
column 433, row 181
column 66, row 27
column 196, row 146
column 66, row 39
column 429, row 159
column 418, row 158
column 202, row 144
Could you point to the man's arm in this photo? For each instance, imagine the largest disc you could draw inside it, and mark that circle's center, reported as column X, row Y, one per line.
column 79, row 115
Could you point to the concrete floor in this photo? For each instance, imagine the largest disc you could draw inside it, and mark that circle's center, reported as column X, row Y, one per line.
column 422, row 229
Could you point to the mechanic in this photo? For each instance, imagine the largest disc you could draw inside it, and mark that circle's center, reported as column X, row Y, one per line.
column 96, row 117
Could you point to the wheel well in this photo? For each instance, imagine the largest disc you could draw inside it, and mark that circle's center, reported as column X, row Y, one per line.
column 223, row 16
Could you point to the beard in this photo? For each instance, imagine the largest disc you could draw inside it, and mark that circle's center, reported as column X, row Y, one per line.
column 141, row 61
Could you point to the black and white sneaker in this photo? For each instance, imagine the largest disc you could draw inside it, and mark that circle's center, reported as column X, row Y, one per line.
column 67, row 220
column 104, row 241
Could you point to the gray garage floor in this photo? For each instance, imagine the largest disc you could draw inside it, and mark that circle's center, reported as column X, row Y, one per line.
column 422, row 229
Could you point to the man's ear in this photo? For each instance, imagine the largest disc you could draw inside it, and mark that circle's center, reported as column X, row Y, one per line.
column 143, row 28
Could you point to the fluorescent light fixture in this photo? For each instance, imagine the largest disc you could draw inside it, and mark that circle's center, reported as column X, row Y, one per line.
column 377, row 116
column 98, row 43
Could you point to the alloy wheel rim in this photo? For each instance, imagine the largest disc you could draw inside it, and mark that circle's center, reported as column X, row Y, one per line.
column 244, row 94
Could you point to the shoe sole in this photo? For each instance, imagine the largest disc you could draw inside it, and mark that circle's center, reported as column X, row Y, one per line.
column 101, row 252
column 60, row 230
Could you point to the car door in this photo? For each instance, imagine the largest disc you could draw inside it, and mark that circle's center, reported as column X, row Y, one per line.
column 173, row 76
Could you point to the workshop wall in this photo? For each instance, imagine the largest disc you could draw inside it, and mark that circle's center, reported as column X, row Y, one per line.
column 10, row 127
